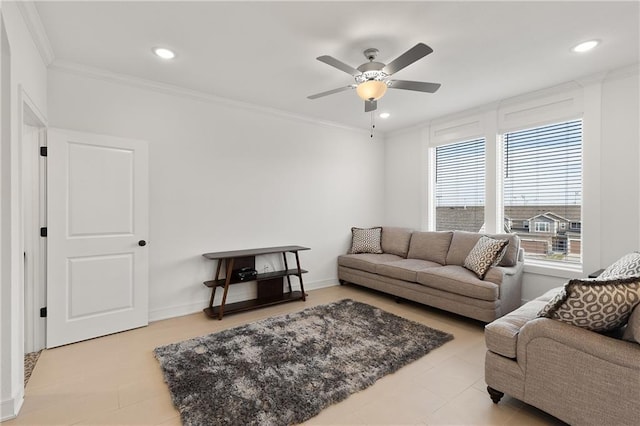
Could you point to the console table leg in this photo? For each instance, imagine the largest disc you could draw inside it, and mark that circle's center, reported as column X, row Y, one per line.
column 304, row 296
column 227, row 281
column 286, row 268
column 215, row 280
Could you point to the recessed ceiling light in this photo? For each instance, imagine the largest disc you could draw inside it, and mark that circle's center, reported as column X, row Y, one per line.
column 585, row 46
column 164, row 53
column 384, row 115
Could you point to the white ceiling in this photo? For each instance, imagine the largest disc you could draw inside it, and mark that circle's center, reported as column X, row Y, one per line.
column 263, row 53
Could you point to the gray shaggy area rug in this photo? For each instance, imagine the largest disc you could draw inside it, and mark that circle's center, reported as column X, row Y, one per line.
column 285, row 370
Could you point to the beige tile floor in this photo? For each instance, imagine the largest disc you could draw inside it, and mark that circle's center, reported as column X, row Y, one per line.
column 115, row 380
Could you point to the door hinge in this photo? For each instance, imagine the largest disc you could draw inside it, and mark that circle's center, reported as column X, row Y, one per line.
column 43, row 312
column 43, row 151
column 43, row 232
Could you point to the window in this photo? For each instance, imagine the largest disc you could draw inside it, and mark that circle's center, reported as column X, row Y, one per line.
column 543, row 176
column 460, row 186
column 560, row 245
column 563, row 225
column 542, row 226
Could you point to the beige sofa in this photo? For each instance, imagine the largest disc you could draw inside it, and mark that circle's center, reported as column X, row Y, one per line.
column 579, row 376
column 427, row 267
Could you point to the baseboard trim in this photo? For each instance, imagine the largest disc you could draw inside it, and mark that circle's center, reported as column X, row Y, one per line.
column 9, row 408
column 191, row 308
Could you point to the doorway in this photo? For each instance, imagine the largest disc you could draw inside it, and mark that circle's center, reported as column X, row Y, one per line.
column 33, row 190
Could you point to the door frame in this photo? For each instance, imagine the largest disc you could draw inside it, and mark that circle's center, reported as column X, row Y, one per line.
column 33, row 198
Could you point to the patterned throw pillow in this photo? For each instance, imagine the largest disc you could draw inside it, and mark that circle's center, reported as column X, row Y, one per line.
column 366, row 240
column 484, row 254
column 597, row 305
column 626, row 266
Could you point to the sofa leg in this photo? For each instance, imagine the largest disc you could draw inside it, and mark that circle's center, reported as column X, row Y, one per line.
column 398, row 300
column 342, row 282
column 495, row 395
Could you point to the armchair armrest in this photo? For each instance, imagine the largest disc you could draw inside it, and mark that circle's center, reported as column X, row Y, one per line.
column 620, row 352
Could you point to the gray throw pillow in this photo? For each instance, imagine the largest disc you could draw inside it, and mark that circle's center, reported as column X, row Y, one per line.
column 366, row 240
column 597, row 305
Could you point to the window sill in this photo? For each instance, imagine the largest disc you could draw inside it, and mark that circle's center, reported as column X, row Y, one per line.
column 553, row 270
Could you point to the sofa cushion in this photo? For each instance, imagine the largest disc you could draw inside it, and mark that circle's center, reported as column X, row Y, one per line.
column 432, row 246
column 396, row 240
column 458, row 280
column 597, row 305
column 366, row 240
column 461, row 244
column 366, row 261
column 510, row 257
column 483, row 255
column 627, row 266
column 405, row 269
column 632, row 330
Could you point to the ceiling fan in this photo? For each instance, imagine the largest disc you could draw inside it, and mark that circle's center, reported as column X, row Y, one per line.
column 372, row 78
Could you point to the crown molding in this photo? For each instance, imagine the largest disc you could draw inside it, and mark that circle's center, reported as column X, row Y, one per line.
column 38, row 34
column 632, row 70
column 169, row 89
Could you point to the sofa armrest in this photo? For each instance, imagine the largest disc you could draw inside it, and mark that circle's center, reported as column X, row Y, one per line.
column 620, row 352
column 509, row 281
column 503, row 271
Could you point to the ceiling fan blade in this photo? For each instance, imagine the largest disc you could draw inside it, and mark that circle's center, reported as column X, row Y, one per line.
column 418, row 86
column 370, row 106
column 329, row 60
column 331, row 92
column 418, row 51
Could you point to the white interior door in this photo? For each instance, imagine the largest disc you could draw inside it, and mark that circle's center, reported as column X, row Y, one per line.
column 97, row 222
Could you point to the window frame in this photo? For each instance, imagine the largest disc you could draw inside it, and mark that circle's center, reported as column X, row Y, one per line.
column 480, row 139
column 541, row 264
column 547, row 106
column 547, row 227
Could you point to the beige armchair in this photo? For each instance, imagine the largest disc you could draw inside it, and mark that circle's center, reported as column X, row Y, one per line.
column 579, row 376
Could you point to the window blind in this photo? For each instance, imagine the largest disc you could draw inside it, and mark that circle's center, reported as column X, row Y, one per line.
column 544, row 165
column 460, row 190
column 543, row 183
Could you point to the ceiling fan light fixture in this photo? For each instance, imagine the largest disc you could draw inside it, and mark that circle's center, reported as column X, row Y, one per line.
column 371, row 90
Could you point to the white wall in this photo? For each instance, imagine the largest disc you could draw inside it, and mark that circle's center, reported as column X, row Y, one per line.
column 620, row 168
column 404, row 179
column 224, row 177
column 615, row 193
column 27, row 73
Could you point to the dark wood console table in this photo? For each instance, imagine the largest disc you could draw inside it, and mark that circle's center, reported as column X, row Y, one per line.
column 270, row 284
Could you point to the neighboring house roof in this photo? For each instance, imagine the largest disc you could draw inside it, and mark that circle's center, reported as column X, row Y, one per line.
column 570, row 213
column 551, row 216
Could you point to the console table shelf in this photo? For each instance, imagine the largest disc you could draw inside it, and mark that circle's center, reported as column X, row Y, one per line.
column 247, row 305
column 260, row 277
column 270, row 284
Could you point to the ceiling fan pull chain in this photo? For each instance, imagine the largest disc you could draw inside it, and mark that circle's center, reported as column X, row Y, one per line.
column 373, row 125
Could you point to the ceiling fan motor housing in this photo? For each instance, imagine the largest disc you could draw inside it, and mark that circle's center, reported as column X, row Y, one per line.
column 371, row 71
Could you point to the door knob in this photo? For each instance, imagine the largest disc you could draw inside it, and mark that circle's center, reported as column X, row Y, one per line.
column 142, row 243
